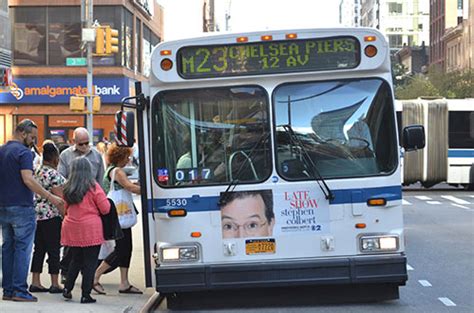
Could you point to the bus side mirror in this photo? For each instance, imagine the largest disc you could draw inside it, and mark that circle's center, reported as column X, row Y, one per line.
column 124, row 128
column 413, row 137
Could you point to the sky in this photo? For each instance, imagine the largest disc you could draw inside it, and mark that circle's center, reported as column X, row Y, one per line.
column 183, row 17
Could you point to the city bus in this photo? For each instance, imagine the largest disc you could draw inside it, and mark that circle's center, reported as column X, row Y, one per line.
column 270, row 159
column 449, row 153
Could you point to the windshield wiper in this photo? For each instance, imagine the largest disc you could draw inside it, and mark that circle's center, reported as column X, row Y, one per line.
column 234, row 182
column 316, row 175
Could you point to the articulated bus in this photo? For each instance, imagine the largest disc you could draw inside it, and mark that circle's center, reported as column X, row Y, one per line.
column 271, row 159
column 449, row 153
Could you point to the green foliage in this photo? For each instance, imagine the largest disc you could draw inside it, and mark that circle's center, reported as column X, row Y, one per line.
column 452, row 85
column 416, row 86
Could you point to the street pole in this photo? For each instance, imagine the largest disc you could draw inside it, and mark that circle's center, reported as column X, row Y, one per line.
column 88, row 9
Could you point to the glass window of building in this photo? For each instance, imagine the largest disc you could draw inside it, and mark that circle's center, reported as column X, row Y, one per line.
column 146, row 51
column 395, row 41
column 5, row 39
column 138, row 46
column 30, row 37
column 395, row 8
column 64, row 36
column 4, row 5
column 127, row 40
column 112, row 16
column 150, row 41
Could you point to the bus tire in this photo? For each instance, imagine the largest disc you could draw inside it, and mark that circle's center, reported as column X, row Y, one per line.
column 470, row 186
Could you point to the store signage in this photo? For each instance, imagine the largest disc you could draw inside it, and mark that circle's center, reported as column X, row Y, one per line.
column 145, row 5
column 59, row 89
column 76, row 61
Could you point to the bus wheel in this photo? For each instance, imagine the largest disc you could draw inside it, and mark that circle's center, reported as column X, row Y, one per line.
column 173, row 301
column 470, row 186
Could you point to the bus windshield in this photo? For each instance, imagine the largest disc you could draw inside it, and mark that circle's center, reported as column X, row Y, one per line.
column 211, row 136
column 345, row 127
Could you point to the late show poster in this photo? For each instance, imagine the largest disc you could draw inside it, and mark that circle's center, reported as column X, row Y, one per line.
column 301, row 211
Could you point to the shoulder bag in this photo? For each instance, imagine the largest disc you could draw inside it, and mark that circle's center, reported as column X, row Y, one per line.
column 123, row 200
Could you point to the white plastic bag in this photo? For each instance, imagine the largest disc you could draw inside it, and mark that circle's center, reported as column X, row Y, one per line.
column 106, row 248
column 124, row 203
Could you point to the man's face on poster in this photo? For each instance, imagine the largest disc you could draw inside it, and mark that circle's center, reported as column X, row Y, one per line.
column 245, row 217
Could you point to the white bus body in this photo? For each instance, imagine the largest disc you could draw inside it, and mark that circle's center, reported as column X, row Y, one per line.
column 270, row 130
column 449, row 153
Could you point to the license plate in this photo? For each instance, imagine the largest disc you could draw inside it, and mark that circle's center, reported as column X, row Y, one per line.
column 260, row 246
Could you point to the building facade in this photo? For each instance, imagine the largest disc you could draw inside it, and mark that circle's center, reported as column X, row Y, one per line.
column 404, row 22
column 443, row 15
column 459, row 41
column 349, row 13
column 5, row 64
column 46, row 43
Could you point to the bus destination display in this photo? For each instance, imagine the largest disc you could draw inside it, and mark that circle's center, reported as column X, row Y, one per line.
column 320, row 54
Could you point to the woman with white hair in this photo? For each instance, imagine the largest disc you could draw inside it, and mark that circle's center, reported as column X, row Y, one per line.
column 82, row 226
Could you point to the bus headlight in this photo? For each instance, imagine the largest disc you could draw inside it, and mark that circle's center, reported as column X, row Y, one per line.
column 380, row 243
column 179, row 253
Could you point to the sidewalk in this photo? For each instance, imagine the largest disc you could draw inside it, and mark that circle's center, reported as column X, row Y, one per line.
column 111, row 302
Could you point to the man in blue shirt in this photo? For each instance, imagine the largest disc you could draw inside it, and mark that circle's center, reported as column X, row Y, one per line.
column 17, row 212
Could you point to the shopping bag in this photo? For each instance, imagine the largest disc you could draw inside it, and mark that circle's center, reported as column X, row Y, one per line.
column 123, row 201
column 106, row 248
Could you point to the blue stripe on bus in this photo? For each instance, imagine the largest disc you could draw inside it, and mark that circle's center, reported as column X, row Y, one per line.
column 196, row 203
column 461, row 153
column 359, row 195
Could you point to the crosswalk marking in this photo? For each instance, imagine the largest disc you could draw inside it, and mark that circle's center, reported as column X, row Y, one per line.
column 409, row 268
column 425, row 283
column 433, row 202
column 461, row 206
column 424, row 198
column 447, row 301
column 454, row 199
column 405, row 202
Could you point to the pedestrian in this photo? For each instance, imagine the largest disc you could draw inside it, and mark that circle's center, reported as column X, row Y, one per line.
column 118, row 158
column 82, row 228
column 17, row 212
column 48, row 222
column 80, row 148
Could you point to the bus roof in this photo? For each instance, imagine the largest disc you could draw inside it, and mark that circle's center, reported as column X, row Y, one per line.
column 259, row 42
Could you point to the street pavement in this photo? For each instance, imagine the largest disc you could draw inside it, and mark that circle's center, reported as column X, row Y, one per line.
column 111, row 302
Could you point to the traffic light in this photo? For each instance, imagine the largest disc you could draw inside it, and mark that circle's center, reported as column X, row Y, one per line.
column 100, row 40
column 77, row 103
column 96, row 104
column 111, row 40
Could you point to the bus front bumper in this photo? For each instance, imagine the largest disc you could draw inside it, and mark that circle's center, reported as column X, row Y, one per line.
column 351, row 270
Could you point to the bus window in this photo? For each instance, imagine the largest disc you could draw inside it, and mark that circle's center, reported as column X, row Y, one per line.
column 211, row 136
column 346, row 127
column 461, row 129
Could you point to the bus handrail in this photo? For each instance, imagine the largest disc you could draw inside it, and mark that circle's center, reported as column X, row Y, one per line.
column 248, row 159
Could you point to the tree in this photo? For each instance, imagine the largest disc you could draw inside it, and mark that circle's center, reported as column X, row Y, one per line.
column 452, row 85
column 415, row 86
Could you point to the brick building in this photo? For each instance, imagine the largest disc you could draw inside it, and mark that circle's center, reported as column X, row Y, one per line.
column 46, row 34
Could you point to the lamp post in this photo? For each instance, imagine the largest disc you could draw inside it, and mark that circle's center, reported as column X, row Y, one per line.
column 87, row 15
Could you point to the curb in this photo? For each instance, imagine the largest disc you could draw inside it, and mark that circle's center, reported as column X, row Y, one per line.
column 153, row 302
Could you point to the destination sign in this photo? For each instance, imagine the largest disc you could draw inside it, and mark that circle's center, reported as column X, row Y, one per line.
column 319, row 54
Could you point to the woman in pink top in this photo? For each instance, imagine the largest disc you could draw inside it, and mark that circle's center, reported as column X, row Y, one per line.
column 82, row 226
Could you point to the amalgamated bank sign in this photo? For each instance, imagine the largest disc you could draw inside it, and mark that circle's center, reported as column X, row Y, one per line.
column 58, row 90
